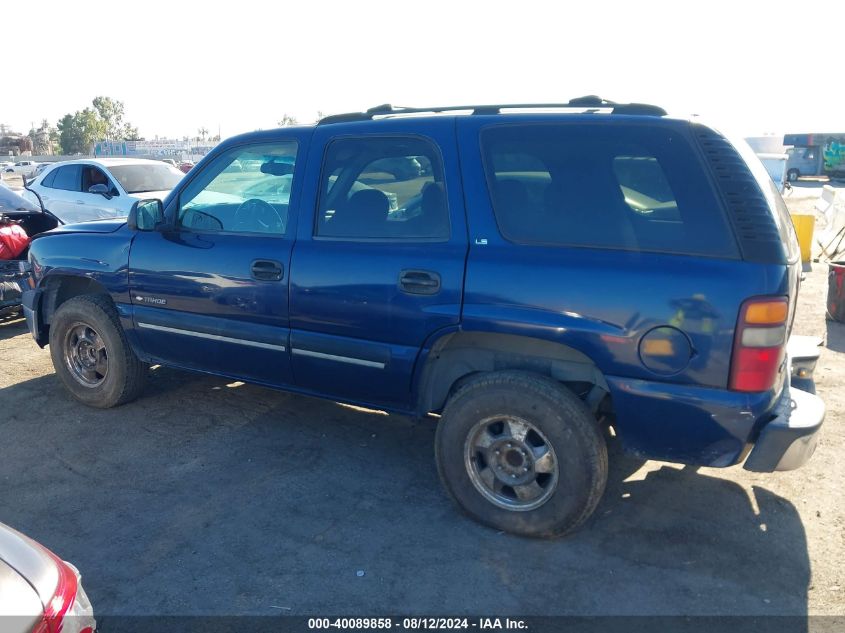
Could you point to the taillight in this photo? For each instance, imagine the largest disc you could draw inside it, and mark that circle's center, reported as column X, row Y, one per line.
column 759, row 344
column 59, row 614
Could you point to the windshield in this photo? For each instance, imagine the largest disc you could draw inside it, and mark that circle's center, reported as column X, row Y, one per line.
column 141, row 178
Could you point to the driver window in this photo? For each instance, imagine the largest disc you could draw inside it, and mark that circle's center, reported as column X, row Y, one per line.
column 93, row 176
column 245, row 190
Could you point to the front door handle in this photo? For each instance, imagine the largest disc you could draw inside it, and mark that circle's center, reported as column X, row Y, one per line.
column 419, row 282
column 267, row 270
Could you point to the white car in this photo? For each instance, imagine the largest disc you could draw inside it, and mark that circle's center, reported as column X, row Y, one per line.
column 25, row 168
column 90, row 189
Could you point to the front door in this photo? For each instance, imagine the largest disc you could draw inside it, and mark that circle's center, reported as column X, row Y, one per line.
column 210, row 292
column 379, row 261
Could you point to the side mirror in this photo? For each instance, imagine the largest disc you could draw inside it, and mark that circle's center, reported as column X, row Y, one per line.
column 146, row 215
column 102, row 189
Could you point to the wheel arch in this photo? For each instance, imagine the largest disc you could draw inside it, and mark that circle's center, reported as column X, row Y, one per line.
column 455, row 357
column 58, row 288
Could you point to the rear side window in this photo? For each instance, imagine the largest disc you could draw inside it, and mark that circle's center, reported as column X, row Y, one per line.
column 385, row 188
column 635, row 188
column 68, row 178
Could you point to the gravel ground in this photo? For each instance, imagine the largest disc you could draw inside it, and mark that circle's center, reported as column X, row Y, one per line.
column 212, row 497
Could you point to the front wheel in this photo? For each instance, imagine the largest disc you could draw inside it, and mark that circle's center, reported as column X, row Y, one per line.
column 792, row 175
column 91, row 355
column 521, row 453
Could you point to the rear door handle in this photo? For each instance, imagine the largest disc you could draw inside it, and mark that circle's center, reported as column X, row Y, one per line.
column 267, row 270
column 419, row 282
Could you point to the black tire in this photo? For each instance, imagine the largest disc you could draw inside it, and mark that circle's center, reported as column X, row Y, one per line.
column 124, row 376
column 563, row 422
column 792, row 175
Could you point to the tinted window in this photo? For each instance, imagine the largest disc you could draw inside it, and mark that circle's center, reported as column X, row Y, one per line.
column 67, row 178
column 776, row 204
column 142, row 178
column 49, row 178
column 94, row 176
column 382, row 187
column 608, row 186
column 246, row 190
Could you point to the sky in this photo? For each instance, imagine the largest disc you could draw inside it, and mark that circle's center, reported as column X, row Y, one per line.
column 753, row 67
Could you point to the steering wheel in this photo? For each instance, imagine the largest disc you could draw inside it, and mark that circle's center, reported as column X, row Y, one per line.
column 257, row 216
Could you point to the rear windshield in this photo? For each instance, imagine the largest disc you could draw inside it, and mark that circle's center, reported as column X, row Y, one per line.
column 143, row 178
column 637, row 188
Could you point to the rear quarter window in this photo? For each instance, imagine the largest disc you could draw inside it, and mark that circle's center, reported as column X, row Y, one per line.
column 630, row 187
column 49, row 178
column 778, row 208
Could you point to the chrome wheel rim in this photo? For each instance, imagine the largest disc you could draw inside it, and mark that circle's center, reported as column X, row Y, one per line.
column 85, row 355
column 511, row 463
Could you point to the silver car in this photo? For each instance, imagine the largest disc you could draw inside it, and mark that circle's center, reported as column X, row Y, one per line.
column 39, row 592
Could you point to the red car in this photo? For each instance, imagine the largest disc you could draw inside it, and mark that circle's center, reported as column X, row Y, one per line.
column 186, row 166
column 39, row 592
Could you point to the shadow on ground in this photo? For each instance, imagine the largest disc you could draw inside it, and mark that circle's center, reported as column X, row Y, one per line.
column 11, row 326
column 212, row 497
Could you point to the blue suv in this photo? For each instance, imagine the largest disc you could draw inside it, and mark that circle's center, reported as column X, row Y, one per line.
column 530, row 275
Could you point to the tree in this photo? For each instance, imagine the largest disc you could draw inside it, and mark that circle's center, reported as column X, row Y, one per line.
column 287, row 120
column 129, row 133
column 111, row 113
column 203, row 132
column 79, row 131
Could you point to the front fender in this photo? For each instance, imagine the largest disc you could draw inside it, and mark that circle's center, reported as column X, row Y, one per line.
column 64, row 265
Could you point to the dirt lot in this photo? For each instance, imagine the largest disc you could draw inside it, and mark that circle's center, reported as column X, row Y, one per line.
column 211, row 497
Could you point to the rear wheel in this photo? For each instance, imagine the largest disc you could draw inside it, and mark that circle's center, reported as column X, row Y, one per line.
column 792, row 175
column 521, row 453
column 91, row 355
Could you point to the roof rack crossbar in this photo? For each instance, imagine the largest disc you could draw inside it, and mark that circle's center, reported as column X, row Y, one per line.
column 589, row 102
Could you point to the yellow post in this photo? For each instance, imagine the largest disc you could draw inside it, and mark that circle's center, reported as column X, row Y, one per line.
column 804, row 224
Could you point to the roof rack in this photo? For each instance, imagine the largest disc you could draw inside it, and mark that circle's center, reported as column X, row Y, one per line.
column 589, row 102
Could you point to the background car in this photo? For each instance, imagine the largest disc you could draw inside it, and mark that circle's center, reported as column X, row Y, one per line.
column 186, row 166
column 90, row 189
column 39, row 592
column 25, row 168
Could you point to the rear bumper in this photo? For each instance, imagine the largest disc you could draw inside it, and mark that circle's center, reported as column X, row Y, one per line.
column 789, row 440
column 768, row 431
column 10, row 287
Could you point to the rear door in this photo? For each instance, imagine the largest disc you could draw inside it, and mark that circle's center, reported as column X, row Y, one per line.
column 379, row 260
column 210, row 292
column 61, row 191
